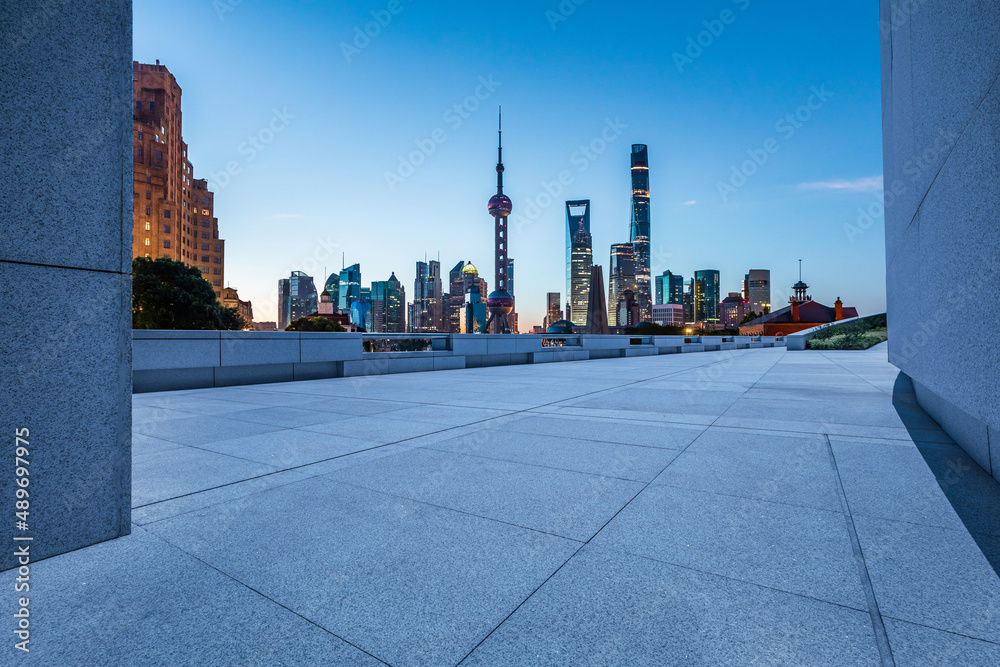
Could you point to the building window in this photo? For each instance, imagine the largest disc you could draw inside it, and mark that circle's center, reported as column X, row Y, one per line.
column 140, row 134
column 159, row 155
column 204, row 269
column 149, row 195
column 166, row 229
column 217, row 248
column 204, row 223
column 217, row 272
column 147, row 241
column 204, row 246
column 166, row 244
column 204, row 258
column 217, row 260
column 140, row 151
column 148, row 226
column 152, row 106
column 217, row 283
column 149, row 179
column 204, row 235
column 166, row 213
column 147, row 210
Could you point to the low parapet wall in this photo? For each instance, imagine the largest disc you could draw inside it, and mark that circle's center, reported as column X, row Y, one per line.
column 172, row 360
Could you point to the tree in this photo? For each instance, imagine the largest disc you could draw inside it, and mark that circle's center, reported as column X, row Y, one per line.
column 171, row 295
column 750, row 317
column 314, row 324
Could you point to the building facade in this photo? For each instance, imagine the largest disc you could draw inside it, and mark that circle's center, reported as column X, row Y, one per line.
column 621, row 278
column 669, row 289
column 388, row 312
column 284, row 302
column 231, row 299
column 640, row 228
column 757, row 290
column 668, row 314
column 302, row 297
column 350, row 287
column 173, row 213
column 732, row 310
column 428, row 299
column 706, row 297
column 553, row 309
column 579, row 260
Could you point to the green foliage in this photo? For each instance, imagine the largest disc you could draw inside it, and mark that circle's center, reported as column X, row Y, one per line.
column 750, row 317
column 171, row 295
column 857, row 335
column 314, row 324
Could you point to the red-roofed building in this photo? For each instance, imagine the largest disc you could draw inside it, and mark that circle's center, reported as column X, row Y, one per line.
column 802, row 313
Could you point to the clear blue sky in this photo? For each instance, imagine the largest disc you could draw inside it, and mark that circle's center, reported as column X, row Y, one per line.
column 318, row 187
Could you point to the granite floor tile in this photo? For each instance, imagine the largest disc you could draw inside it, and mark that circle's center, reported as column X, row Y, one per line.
column 918, row 646
column 615, row 609
column 410, row 583
column 793, row 549
column 569, row 504
column 201, row 429
column 177, row 472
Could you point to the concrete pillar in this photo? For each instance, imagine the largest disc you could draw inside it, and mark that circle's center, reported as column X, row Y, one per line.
column 65, row 265
column 941, row 146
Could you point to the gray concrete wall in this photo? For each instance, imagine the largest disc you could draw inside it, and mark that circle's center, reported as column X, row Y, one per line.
column 65, row 265
column 172, row 360
column 941, row 124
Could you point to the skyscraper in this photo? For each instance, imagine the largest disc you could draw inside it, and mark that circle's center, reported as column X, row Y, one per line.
column 688, row 301
column 622, row 278
column 455, row 299
column 553, row 309
column 303, row 299
column 333, row 287
column 732, row 310
column 640, row 228
column 706, row 297
column 388, row 300
column 428, row 304
column 284, row 303
column 350, row 287
column 669, row 289
column 172, row 211
column 579, row 260
column 757, row 290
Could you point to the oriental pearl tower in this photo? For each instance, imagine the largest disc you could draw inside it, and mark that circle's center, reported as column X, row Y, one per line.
column 500, row 301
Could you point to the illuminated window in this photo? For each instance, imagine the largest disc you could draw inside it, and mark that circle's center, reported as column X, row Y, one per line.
column 147, row 241
column 148, row 227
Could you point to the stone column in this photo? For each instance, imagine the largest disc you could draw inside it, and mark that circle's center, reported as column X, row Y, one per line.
column 65, row 265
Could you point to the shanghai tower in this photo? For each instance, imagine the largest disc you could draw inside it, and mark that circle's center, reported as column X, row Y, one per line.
column 640, row 229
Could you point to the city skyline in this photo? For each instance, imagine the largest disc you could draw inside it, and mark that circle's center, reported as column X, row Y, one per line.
column 312, row 182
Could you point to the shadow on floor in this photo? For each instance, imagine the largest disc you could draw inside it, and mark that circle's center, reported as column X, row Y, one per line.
column 972, row 492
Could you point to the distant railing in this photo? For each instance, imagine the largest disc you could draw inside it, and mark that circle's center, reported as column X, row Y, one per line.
column 404, row 343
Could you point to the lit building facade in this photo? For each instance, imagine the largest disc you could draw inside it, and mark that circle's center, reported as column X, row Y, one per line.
column 553, row 309
column 640, row 228
column 621, row 279
column 173, row 212
column 706, row 297
column 757, row 290
column 302, row 297
column 579, row 261
column 332, row 287
column 388, row 312
column 732, row 310
column 427, row 312
column 669, row 289
column 668, row 314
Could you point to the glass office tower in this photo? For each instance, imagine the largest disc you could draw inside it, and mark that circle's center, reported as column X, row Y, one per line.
column 350, row 287
column 621, row 278
column 706, row 297
column 579, row 260
column 640, row 229
column 669, row 289
column 303, row 299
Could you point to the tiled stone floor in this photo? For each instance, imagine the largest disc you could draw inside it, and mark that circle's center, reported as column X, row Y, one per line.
column 753, row 507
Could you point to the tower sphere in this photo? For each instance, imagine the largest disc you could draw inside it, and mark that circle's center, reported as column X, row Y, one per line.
column 500, row 206
column 500, row 302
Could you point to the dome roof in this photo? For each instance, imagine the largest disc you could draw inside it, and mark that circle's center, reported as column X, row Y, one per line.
column 560, row 327
column 470, row 270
